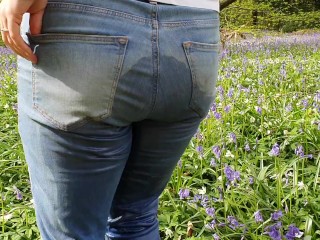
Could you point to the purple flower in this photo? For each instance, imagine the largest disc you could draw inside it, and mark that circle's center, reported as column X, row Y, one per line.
column 283, row 71
column 258, row 216
column 210, row 211
column 217, row 115
column 184, row 193
column 233, row 222
column 310, row 156
column 214, row 107
column 277, row 215
column 228, row 171
column 199, row 135
column 230, row 93
column 231, row 174
column 196, row 198
column 251, row 181
column 233, row 137
column 275, row 151
column 216, row 151
column 213, row 162
column 316, row 97
column 259, row 110
column 216, row 236
column 204, row 200
column 199, row 150
column 299, row 151
column 227, row 108
column 247, row 147
column 220, row 91
column 293, row 232
column 288, row 108
column 274, row 233
column 17, row 192
column 211, row 225
column 304, row 103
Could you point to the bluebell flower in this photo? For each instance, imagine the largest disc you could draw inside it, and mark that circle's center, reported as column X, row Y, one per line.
column 247, row 147
column 304, row 103
column 251, row 180
column 288, row 108
column 293, row 232
column 299, row 151
column 233, row 222
column 204, row 200
column 274, row 233
column 258, row 216
column 211, row 225
column 231, row 174
column 217, row 115
column 216, row 151
column 276, row 215
column 233, row 137
column 213, row 162
column 214, row 107
column 316, row 97
column 220, row 90
column 199, row 149
column 210, row 211
column 259, row 110
column 275, row 151
column 230, row 93
column 216, row 236
column 227, row 108
column 184, row 193
column 18, row 193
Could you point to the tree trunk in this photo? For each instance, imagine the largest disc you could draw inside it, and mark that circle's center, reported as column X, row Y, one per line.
column 226, row 3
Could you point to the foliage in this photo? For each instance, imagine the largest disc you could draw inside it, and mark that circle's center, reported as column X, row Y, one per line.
column 274, row 15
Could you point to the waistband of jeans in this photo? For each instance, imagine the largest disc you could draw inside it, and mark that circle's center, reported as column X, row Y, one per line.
column 143, row 9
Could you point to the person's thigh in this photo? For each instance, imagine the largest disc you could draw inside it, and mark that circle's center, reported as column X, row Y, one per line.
column 156, row 149
column 73, row 176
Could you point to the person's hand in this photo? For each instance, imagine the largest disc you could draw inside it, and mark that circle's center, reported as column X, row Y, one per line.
column 11, row 12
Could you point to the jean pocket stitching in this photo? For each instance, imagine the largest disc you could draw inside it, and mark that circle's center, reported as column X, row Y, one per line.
column 121, row 41
column 118, row 68
column 205, row 47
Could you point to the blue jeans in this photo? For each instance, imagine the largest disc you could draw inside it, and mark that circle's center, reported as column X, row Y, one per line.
column 119, row 90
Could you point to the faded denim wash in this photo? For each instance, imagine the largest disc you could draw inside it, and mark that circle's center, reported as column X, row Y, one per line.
column 118, row 92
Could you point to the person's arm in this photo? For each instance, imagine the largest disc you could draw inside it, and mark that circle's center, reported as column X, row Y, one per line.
column 11, row 12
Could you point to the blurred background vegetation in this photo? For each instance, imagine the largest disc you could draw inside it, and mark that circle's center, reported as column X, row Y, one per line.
column 279, row 15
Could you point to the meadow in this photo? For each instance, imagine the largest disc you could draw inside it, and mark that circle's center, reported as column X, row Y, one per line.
column 250, row 172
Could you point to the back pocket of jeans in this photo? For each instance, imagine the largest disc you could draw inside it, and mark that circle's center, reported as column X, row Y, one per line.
column 76, row 76
column 203, row 60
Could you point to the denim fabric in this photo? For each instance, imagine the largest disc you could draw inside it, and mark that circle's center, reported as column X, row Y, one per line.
column 119, row 90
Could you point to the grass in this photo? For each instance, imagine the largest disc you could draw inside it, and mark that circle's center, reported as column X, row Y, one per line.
column 251, row 171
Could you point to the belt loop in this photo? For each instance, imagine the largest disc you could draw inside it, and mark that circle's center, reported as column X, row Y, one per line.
column 153, row 2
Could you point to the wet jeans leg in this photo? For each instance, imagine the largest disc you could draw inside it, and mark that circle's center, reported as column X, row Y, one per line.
column 74, row 176
column 157, row 147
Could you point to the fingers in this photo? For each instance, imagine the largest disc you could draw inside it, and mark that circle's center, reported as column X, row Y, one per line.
column 17, row 44
column 36, row 22
column 12, row 38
